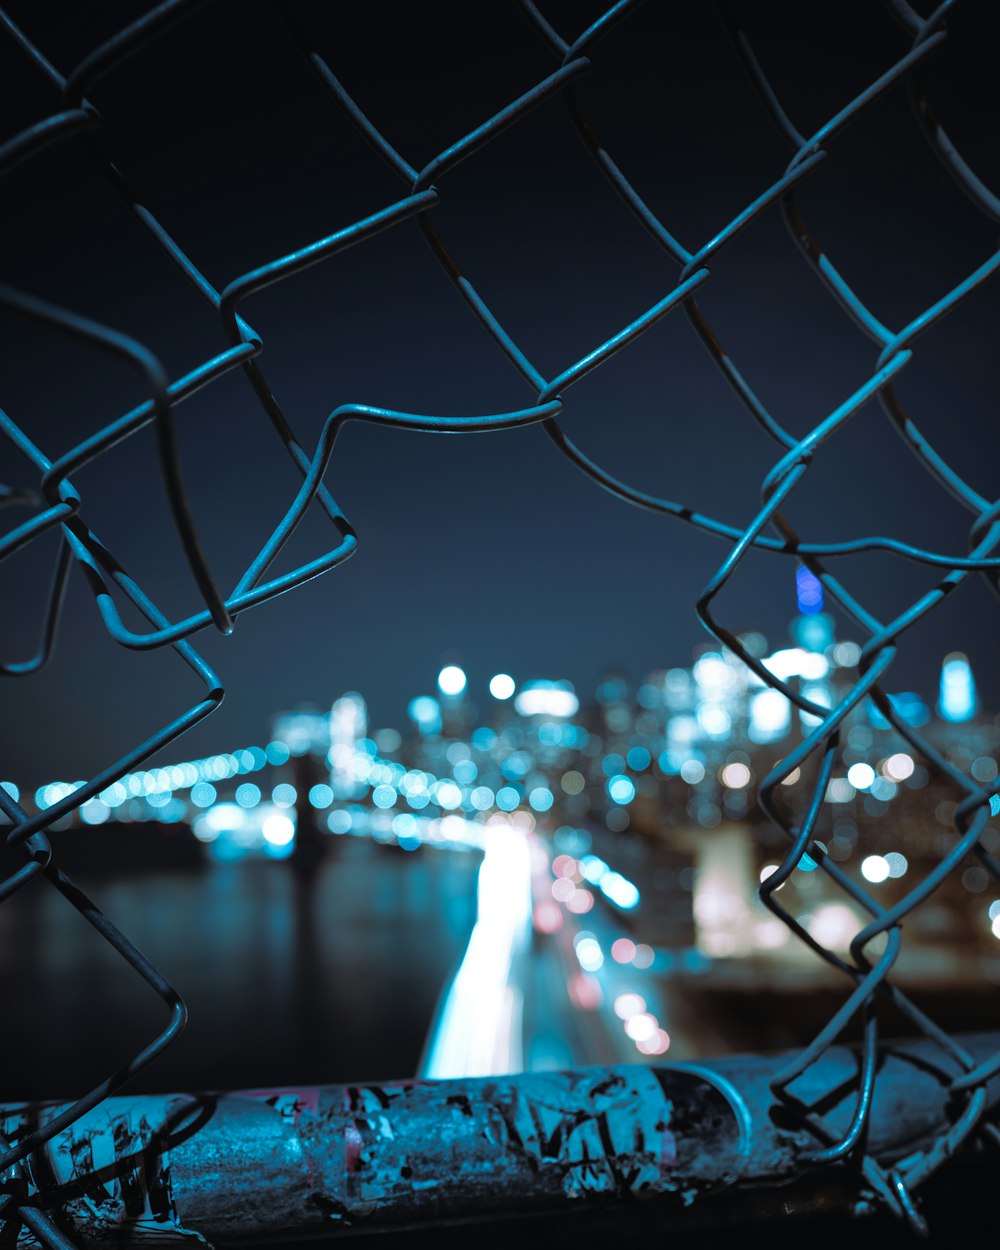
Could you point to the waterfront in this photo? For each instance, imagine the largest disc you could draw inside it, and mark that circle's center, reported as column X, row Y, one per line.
column 289, row 979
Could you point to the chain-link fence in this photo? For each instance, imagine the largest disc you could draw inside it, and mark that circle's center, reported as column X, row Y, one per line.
column 44, row 486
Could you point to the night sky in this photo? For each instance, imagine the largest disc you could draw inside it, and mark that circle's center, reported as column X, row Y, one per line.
column 489, row 550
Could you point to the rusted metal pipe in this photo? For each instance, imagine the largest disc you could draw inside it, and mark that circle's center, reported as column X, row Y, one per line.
column 269, row 1165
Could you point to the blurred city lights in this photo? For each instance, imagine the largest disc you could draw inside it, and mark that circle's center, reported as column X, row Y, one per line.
column 957, row 695
column 278, row 829
column 502, row 686
column 451, row 680
column 808, row 590
column 589, row 954
column 875, row 868
column 735, row 775
column 628, row 1005
column 546, row 698
column 861, row 775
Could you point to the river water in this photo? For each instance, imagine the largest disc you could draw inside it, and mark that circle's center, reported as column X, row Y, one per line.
column 290, row 978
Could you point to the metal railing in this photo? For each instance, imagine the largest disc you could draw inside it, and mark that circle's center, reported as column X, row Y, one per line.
column 46, row 485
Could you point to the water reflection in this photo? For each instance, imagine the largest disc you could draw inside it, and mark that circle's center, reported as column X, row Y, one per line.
column 290, row 977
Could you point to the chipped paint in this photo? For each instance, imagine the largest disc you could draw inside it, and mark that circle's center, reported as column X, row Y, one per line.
column 270, row 1164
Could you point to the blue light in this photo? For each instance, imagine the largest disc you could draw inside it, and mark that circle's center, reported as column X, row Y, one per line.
column 465, row 772
column 808, row 591
column 957, row 698
column 620, row 891
column 339, row 820
column 481, row 798
column 404, row 825
column 384, row 796
column 621, row 790
column 248, row 795
column 321, row 796
column 516, row 764
column 540, row 799
column 425, row 713
column 508, row 798
column 203, row 794
column 638, row 758
column 612, row 764
column 115, row 795
column 283, row 795
column 276, row 753
column 909, row 707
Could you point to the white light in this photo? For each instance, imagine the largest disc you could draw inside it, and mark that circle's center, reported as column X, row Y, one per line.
column 712, row 671
column 875, row 868
column 847, row 654
column 94, row 812
column 833, row 925
column 628, row 1005
column 770, row 934
column 448, row 795
column 620, row 891
column 547, row 698
column 861, row 775
column 501, row 686
column 222, row 817
column 682, row 729
column 839, row 790
column 898, row 767
column 785, row 663
column 813, row 666
column 641, row 1027
column 451, row 680
column 278, row 829
column 478, row 1031
column 797, row 662
column 770, row 715
column 715, row 720
column 735, row 775
column 590, row 955
column 593, row 868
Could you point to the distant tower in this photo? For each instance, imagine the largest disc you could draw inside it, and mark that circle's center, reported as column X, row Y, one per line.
column 348, row 725
column 957, row 697
column 808, row 591
column 812, row 628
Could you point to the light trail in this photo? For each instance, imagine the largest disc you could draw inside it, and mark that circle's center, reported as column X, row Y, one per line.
column 478, row 1031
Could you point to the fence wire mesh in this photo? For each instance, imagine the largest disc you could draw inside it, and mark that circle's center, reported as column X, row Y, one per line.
column 44, row 486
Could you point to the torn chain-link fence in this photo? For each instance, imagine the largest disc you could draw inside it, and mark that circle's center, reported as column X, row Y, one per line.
column 43, row 486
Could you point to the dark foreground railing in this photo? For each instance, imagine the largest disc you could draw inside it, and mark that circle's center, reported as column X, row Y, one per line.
column 273, row 1165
